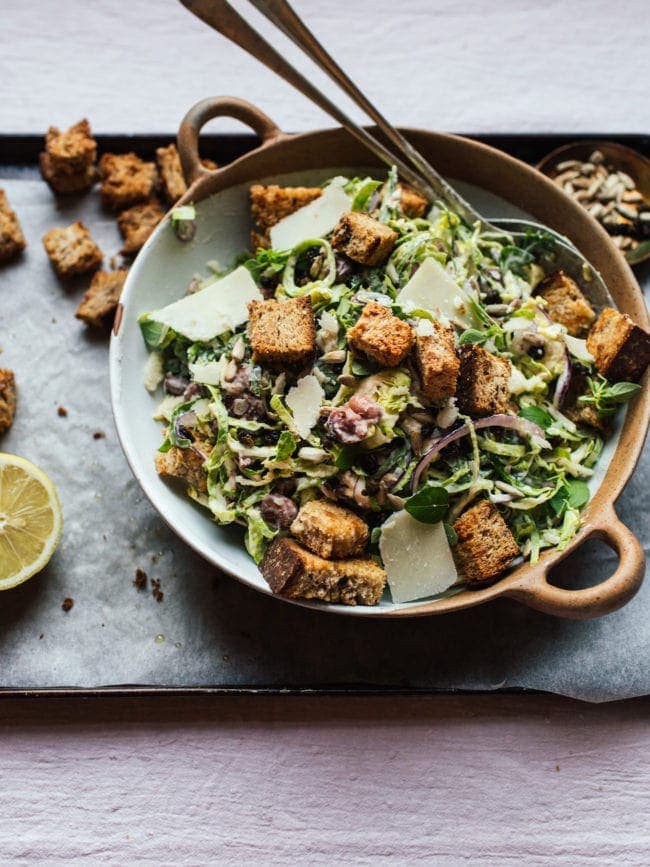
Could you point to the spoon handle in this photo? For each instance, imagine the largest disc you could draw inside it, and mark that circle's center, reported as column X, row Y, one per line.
column 221, row 16
column 284, row 17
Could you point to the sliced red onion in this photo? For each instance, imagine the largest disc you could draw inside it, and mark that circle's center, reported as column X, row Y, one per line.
column 181, row 424
column 513, row 422
column 563, row 382
column 176, row 384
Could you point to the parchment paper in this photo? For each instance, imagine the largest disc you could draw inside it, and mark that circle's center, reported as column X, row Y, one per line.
column 210, row 630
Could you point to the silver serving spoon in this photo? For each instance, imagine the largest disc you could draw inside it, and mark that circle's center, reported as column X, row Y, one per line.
column 220, row 15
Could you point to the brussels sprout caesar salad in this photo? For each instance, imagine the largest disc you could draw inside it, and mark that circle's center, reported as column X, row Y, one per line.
column 383, row 396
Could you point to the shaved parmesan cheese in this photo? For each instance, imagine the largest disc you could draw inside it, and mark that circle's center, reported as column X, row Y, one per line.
column 208, row 372
column 417, row 558
column 578, row 348
column 432, row 288
column 220, row 307
column 153, row 373
column 167, row 406
column 425, row 328
column 314, row 220
column 304, row 400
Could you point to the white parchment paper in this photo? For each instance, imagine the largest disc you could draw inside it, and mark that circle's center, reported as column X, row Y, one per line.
column 210, row 630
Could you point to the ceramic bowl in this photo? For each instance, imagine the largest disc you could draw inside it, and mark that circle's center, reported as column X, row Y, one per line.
column 496, row 183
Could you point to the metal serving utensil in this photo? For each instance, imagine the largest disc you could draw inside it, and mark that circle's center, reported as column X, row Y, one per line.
column 221, row 16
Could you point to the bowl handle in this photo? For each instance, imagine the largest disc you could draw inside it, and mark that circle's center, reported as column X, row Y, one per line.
column 207, row 109
column 614, row 592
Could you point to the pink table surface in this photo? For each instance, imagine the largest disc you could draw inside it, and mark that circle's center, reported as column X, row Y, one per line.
column 444, row 780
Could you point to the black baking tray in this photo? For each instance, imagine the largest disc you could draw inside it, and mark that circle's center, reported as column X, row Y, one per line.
column 19, row 158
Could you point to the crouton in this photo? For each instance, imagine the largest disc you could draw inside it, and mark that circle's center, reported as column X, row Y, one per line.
column 282, row 332
column 99, row 303
column 294, row 572
column 381, row 336
column 330, row 530
column 620, row 348
column 171, row 173
column 485, row 544
column 413, row 203
column 483, row 382
column 271, row 204
column 436, row 360
column 137, row 223
column 581, row 413
column 566, row 303
column 126, row 180
column 71, row 152
column 7, row 399
column 72, row 251
column 66, row 184
column 363, row 239
column 12, row 240
column 186, row 465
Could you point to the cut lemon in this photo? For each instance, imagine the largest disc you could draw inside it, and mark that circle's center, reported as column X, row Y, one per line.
column 30, row 520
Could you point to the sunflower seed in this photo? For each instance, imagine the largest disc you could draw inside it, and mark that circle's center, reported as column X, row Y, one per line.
column 597, row 158
column 627, row 211
column 627, row 181
column 567, row 164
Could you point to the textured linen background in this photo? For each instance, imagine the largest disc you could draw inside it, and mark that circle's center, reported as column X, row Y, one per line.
column 493, row 779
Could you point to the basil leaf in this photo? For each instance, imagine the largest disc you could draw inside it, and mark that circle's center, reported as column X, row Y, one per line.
column 537, row 415
column 429, row 505
column 345, row 457
column 622, row 391
column 577, row 493
column 472, row 335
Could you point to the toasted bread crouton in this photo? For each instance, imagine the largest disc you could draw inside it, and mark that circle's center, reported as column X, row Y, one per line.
column 70, row 152
column 12, row 240
column 187, row 465
column 330, row 530
column 126, row 180
column 99, row 303
column 72, row 251
column 483, row 382
column 381, row 336
column 566, row 303
column 294, row 572
column 581, row 413
column 363, row 239
column 282, row 332
column 436, row 360
column 171, row 173
column 66, row 184
column 620, row 348
column 271, row 204
column 7, row 399
column 137, row 223
column 413, row 203
column 485, row 544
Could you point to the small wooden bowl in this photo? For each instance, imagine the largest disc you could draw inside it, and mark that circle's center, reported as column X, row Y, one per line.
column 636, row 165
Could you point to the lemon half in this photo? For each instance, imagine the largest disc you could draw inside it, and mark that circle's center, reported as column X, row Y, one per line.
column 30, row 520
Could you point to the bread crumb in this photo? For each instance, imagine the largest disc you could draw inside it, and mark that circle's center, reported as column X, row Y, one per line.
column 62, row 411
column 140, row 580
column 67, row 604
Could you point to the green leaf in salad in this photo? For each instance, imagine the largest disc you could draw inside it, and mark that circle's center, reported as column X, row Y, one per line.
column 428, row 505
column 267, row 262
column 472, row 335
column 607, row 396
column 183, row 221
column 156, row 335
column 286, row 446
column 362, row 192
column 537, row 415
